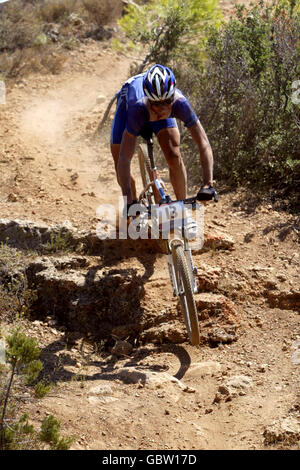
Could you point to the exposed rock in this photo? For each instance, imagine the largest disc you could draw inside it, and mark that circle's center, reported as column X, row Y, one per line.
column 101, row 389
column 214, row 304
column 165, row 333
column 286, row 431
column 222, row 335
column 32, row 235
column 296, row 354
column 12, row 197
column 85, row 298
column 200, row 369
column 122, row 348
column 102, row 400
column 99, row 33
column 224, row 328
column 101, row 99
column 208, row 278
column 218, row 240
column 93, row 300
column 36, row 235
column 289, row 300
column 151, row 379
column 234, row 386
column 238, row 382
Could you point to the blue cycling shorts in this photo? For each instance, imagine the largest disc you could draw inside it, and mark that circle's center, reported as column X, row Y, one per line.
column 120, row 122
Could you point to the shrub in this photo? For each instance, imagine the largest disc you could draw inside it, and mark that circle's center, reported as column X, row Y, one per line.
column 59, row 242
column 170, row 30
column 19, row 26
column 42, row 388
column 242, row 94
column 22, row 356
column 15, row 297
column 54, row 11
column 101, row 12
column 33, row 33
column 50, row 433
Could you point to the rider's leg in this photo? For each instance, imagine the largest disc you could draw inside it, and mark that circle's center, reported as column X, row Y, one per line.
column 169, row 140
column 115, row 151
column 117, row 130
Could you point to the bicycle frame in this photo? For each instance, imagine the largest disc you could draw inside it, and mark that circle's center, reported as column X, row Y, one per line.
column 166, row 200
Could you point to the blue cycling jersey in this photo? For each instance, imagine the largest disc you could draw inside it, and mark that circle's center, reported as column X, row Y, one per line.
column 132, row 113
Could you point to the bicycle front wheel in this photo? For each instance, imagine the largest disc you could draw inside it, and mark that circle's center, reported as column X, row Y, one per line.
column 145, row 170
column 186, row 294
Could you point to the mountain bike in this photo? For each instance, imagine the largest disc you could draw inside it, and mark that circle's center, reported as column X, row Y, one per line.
column 168, row 218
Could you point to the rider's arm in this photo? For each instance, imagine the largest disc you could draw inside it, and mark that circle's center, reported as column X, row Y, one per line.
column 206, row 156
column 126, row 153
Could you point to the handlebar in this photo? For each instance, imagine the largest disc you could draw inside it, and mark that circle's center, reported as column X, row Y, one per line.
column 201, row 196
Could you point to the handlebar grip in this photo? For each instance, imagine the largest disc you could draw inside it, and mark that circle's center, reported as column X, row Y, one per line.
column 207, row 194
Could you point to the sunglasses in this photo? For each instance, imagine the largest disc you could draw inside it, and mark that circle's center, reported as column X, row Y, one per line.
column 161, row 103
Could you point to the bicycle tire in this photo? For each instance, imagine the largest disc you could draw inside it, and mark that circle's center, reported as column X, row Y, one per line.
column 186, row 294
column 145, row 170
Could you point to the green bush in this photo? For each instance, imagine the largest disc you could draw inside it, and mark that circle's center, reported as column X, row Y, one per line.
column 50, row 433
column 170, row 31
column 242, row 94
column 22, row 360
column 22, row 355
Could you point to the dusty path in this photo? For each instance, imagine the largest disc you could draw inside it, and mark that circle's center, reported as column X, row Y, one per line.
column 58, row 174
column 160, row 396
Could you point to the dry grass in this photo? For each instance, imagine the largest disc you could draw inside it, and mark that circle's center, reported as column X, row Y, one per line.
column 25, row 61
column 102, row 12
column 54, row 11
column 25, row 43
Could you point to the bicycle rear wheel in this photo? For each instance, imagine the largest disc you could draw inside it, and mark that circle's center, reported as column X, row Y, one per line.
column 186, row 294
column 145, row 170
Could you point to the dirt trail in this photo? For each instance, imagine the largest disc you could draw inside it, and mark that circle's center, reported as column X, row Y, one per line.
column 159, row 396
column 54, row 117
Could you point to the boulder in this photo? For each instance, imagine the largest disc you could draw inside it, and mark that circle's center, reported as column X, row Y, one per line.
column 288, row 299
column 286, row 431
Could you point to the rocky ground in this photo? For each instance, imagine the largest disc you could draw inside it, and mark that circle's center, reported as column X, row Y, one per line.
column 111, row 334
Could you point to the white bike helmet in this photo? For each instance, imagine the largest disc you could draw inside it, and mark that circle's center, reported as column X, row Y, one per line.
column 159, row 83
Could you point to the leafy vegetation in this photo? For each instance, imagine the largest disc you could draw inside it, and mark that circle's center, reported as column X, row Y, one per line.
column 22, row 366
column 22, row 358
column 58, row 243
column 171, row 30
column 50, row 433
column 245, row 100
column 15, row 296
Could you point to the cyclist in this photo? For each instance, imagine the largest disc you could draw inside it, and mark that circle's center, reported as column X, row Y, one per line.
column 152, row 100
